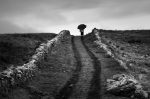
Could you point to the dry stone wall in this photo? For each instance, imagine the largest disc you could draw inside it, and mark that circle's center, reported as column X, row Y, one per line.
column 122, row 84
column 21, row 74
column 101, row 42
column 117, row 49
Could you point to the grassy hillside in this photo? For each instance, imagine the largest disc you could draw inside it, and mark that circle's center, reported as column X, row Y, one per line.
column 16, row 49
column 135, row 43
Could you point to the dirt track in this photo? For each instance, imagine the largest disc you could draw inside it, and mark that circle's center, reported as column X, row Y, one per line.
column 85, row 83
column 76, row 70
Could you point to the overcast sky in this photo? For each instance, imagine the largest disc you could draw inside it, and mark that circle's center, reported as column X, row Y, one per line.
column 56, row 15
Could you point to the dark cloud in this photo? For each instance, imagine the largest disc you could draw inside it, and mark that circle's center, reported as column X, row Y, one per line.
column 125, row 8
column 122, row 7
column 25, row 15
column 24, row 6
column 112, row 8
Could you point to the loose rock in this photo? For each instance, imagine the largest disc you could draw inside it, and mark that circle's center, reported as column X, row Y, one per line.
column 126, row 85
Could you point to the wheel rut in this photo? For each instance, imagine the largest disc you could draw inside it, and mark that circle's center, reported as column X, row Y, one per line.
column 66, row 91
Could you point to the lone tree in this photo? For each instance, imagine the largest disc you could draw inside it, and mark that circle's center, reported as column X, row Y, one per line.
column 81, row 27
